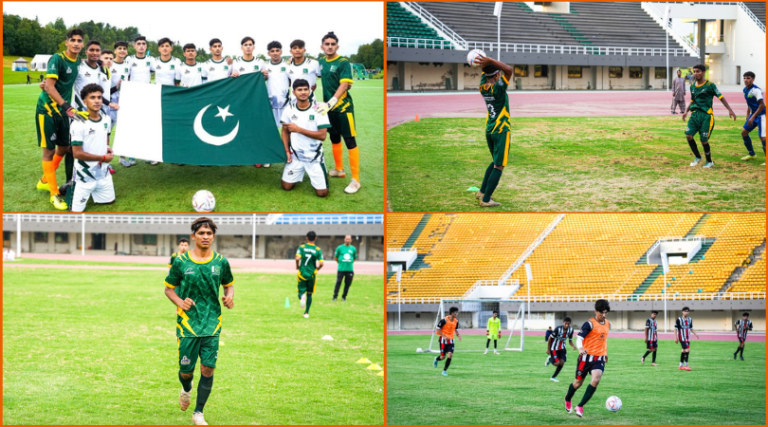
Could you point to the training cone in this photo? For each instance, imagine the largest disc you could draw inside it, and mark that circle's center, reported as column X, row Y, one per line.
column 374, row 367
column 380, row 374
column 417, row 118
column 287, row 302
column 364, row 360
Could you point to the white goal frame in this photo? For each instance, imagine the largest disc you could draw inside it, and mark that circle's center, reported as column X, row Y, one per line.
column 519, row 324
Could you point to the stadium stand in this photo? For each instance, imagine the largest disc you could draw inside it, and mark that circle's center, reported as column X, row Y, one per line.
column 753, row 279
column 402, row 23
column 399, row 231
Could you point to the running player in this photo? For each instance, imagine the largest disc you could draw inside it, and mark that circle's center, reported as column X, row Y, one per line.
column 121, row 70
column 446, row 328
column 556, row 347
column 651, row 338
column 702, row 118
column 592, row 344
column 337, row 103
column 301, row 67
column 53, row 113
column 193, row 286
column 493, row 331
column 742, row 326
column 217, row 67
column 493, row 88
column 304, row 130
column 166, row 65
column 190, row 73
column 684, row 326
column 183, row 248
column 755, row 114
column 309, row 260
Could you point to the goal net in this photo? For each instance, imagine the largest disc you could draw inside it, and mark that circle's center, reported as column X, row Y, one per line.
column 474, row 315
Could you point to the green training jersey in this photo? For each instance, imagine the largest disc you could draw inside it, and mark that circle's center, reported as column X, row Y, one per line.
column 199, row 280
column 308, row 255
column 333, row 73
column 64, row 70
column 497, row 103
column 346, row 256
column 494, row 326
column 173, row 258
column 701, row 96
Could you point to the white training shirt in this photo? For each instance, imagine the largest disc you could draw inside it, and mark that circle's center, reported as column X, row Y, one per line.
column 141, row 68
column 191, row 75
column 217, row 70
column 304, row 148
column 165, row 71
column 93, row 137
column 242, row 66
column 85, row 76
column 308, row 70
column 277, row 83
column 120, row 73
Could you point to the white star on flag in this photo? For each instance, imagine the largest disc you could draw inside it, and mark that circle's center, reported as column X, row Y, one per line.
column 223, row 113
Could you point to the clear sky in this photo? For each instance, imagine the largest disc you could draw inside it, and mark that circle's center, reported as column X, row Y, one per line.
column 355, row 23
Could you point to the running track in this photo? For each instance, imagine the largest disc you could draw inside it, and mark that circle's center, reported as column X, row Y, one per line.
column 706, row 336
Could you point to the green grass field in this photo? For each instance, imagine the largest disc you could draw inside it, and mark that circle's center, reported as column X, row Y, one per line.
column 514, row 388
column 103, row 351
column 169, row 188
column 573, row 164
column 17, row 77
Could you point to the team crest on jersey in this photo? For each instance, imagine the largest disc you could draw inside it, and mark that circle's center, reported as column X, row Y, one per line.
column 199, row 69
column 311, row 117
column 173, row 67
column 226, row 67
column 333, row 68
column 256, row 67
column 290, row 172
column 91, row 131
column 105, row 125
column 185, row 361
column 69, row 71
column 147, row 63
column 305, row 71
column 282, row 69
column 190, row 270
column 215, row 270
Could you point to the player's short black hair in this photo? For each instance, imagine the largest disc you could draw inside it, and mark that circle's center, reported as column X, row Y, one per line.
column 163, row 41
column 602, row 305
column 330, row 35
column 567, row 319
column 300, row 83
column 749, row 74
column 490, row 69
column 453, row 310
column 203, row 222
column 247, row 38
column 274, row 44
column 495, row 311
column 91, row 42
column 311, row 236
column 139, row 38
column 183, row 240
column 213, row 42
column 107, row 51
column 745, row 314
column 686, row 308
column 123, row 44
column 654, row 312
column 297, row 43
column 75, row 32
column 700, row 67
column 189, row 46
column 89, row 89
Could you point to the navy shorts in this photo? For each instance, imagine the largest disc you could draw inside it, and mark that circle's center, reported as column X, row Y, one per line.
column 651, row 345
column 685, row 345
column 446, row 347
column 742, row 339
column 588, row 363
column 559, row 355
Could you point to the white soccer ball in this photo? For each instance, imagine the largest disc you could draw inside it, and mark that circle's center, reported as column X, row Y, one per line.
column 419, row 350
column 203, row 201
column 473, row 56
column 613, row 404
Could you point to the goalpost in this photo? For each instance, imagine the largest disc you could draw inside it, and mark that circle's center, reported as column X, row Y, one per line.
column 480, row 310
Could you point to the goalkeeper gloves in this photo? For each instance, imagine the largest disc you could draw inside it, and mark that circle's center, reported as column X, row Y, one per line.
column 324, row 107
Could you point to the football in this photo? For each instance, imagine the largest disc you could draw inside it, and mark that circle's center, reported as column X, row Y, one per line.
column 472, row 57
column 613, row 404
column 203, row 201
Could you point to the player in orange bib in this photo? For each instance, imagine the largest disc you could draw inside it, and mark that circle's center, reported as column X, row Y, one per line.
column 447, row 328
column 592, row 343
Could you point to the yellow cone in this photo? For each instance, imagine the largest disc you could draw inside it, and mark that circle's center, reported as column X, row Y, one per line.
column 364, row 360
column 380, row 374
column 374, row 367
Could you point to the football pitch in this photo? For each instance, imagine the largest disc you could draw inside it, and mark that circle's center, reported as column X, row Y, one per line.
column 638, row 164
column 514, row 388
column 103, row 351
column 169, row 188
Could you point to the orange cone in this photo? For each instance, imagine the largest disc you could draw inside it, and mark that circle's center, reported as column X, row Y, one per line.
column 417, row 118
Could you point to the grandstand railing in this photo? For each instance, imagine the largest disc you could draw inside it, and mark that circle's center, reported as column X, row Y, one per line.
column 401, row 249
column 427, row 17
column 510, row 282
column 134, row 219
column 419, row 43
column 610, row 297
column 330, row 219
column 656, row 11
column 752, row 16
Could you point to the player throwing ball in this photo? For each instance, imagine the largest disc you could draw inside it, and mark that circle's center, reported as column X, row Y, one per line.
column 446, row 329
column 592, row 344
column 493, row 88
column 196, row 276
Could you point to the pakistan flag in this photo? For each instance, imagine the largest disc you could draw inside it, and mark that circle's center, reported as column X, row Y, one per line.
column 225, row 122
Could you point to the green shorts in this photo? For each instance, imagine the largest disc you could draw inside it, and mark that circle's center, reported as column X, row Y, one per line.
column 701, row 123
column 342, row 124
column 498, row 143
column 52, row 130
column 192, row 347
column 306, row 284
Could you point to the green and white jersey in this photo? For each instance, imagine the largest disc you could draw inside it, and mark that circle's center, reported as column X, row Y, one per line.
column 87, row 75
column 244, row 66
column 304, row 148
column 141, row 68
column 277, row 83
column 217, row 70
column 120, row 73
column 191, row 75
column 200, row 281
column 334, row 72
column 308, row 70
column 701, row 96
column 497, row 118
column 93, row 136
column 165, row 71
column 494, row 325
column 309, row 256
column 346, row 256
column 65, row 71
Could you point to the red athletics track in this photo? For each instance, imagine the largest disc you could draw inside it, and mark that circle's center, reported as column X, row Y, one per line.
column 241, row 265
column 403, row 107
column 705, row 336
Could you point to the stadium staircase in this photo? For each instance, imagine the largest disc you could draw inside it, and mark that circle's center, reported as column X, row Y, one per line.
column 754, row 257
column 705, row 245
column 417, row 231
column 658, row 271
column 567, row 26
column 402, row 23
column 699, row 224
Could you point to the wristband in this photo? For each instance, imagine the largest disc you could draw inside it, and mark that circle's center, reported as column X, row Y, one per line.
column 104, row 158
column 66, row 106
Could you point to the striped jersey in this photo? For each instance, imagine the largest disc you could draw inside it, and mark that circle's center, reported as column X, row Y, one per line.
column 559, row 335
column 684, row 326
column 742, row 327
column 650, row 333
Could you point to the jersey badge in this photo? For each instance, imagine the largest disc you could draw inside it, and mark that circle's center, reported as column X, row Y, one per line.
column 190, row 270
column 215, row 270
column 185, row 361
